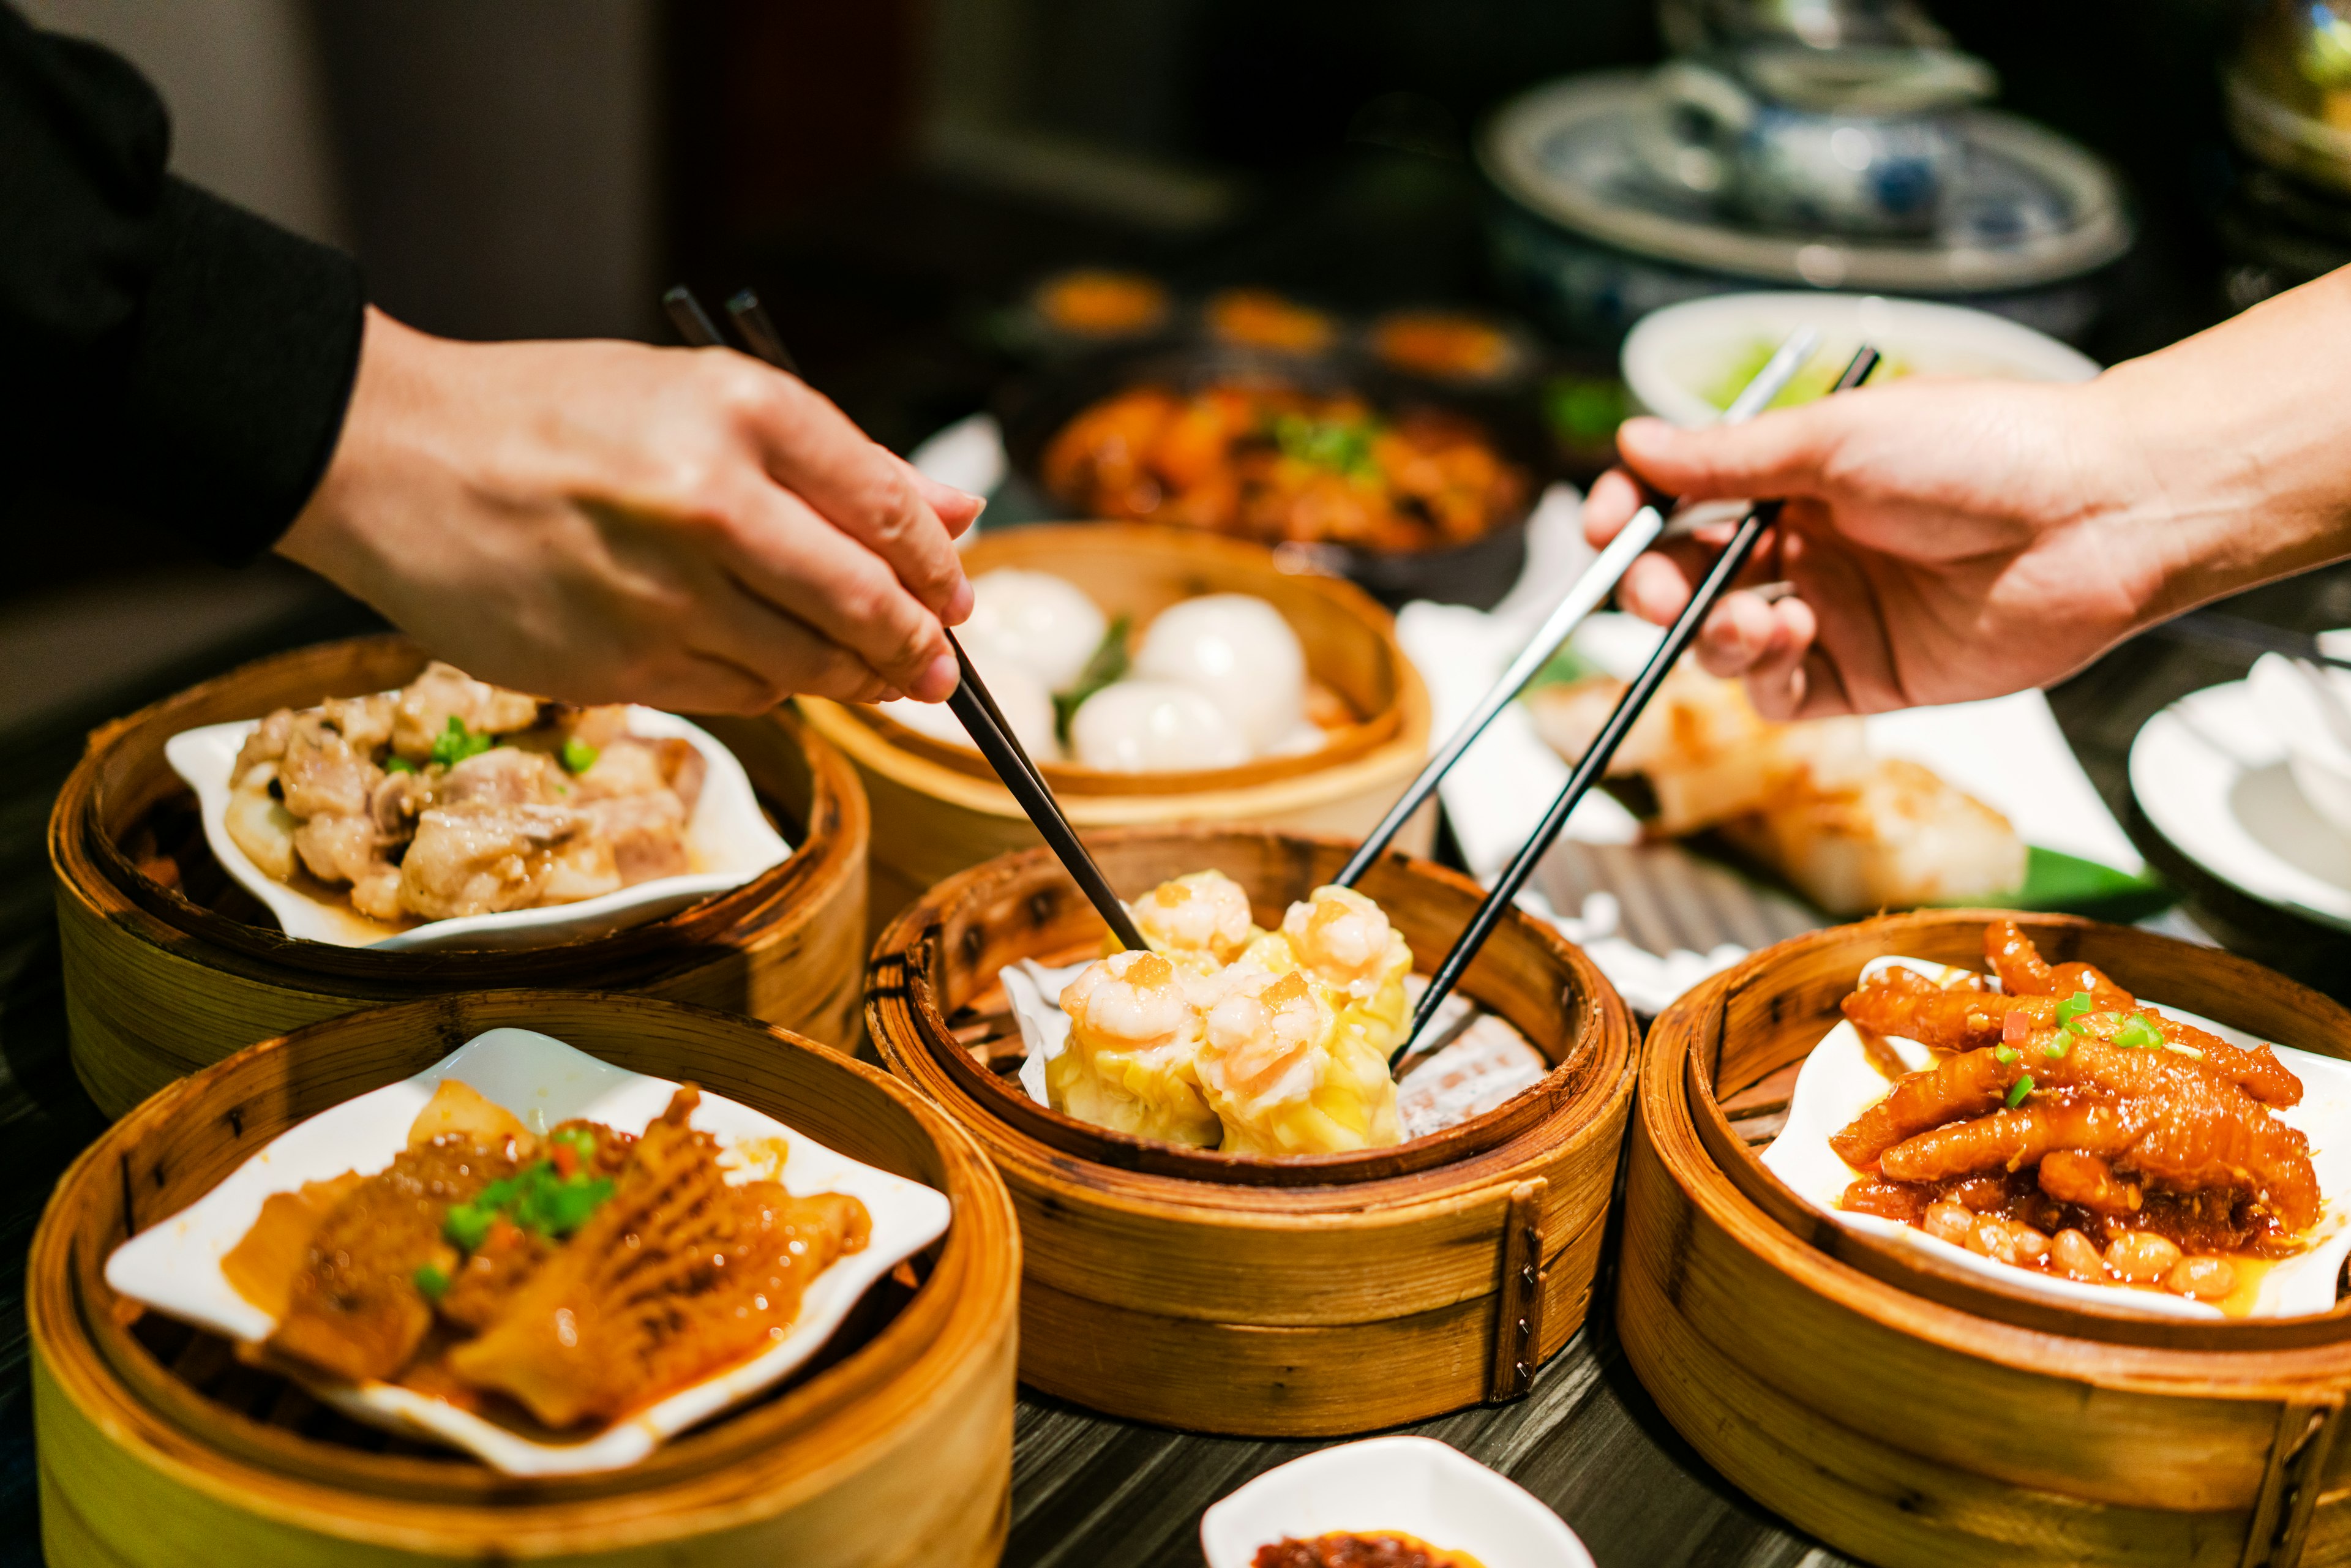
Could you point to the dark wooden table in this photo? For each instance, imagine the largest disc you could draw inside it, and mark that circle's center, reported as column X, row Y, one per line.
column 1088, row 1491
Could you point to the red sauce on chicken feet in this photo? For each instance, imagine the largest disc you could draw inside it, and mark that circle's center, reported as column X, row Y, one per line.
column 2059, row 1112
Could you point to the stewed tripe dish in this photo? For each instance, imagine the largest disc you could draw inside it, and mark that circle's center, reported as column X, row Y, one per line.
column 2065, row 1128
column 561, row 1280
column 451, row 796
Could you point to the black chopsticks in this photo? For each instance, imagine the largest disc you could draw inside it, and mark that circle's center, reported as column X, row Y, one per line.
column 1596, row 757
column 2212, row 629
column 970, row 701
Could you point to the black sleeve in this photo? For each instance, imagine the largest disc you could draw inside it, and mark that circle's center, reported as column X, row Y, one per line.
column 160, row 349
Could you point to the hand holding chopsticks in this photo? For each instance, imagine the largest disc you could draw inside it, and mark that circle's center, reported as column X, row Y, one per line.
column 1603, row 749
column 970, row 701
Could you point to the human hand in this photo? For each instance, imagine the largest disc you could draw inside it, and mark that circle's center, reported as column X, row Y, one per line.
column 1952, row 540
column 608, row 522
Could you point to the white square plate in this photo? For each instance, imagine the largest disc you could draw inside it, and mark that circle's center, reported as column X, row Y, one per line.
column 1837, row 1083
column 1416, row 1485
column 728, row 838
column 175, row 1268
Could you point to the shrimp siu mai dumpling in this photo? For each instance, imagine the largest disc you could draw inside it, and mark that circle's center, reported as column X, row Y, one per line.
column 1129, row 1066
column 1285, row 1076
column 1202, row 920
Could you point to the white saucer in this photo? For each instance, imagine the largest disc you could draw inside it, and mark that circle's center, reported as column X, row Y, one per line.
column 2213, row 780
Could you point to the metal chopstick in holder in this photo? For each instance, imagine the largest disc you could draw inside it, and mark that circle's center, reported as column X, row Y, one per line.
column 1677, row 637
column 1588, row 592
column 970, row 702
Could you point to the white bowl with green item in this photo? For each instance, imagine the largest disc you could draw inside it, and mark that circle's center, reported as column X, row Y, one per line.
column 1686, row 362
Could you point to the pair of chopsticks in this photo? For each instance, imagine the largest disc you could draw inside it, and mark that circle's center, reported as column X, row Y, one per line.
column 970, row 702
column 1588, row 592
column 1596, row 757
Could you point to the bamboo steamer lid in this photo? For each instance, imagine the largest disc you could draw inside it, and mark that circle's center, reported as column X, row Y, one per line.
column 157, row 984
column 894, row 1450
column 1303, row 1297
column 937, row 808
column 1907, row 1416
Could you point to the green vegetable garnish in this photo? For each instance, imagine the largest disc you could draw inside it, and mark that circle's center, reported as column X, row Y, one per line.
column 1106, row 664
column 582, row 1141
column 578, row 755
column 2137, row 1034
column 432, row 1281
column 2019, row 1089
column 2056, row 1047
column 456, row 743
column 2179, row 1049
column 537, row 1198
column 2073, row 1008
column 1343, row 446
column 2004, row 1055
column 398, row 765
column 467, row 1225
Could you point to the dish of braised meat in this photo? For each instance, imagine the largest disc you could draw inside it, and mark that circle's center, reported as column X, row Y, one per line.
column 451, row 796
column 559, row 1281
column 1348, row 1549
column 1270, row 462
column 2066, row 1128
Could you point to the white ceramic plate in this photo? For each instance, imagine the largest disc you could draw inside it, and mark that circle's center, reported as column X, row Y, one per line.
column 1838, row 1083
column 1416, row 1485
column 728, row 839
column 2213, row 779
column 174, row 1267
column 1674, row 356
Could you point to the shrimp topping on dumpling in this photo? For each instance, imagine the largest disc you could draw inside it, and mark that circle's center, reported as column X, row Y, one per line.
column 1283, row 1074
column 1203, row 917
column 1129, row 1066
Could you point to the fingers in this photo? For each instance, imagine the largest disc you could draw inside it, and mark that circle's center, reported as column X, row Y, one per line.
column 740, row 655
column 1779, row 454
column 782, row 553
column 866, row 492
column 958, row 509
column 1614, row 498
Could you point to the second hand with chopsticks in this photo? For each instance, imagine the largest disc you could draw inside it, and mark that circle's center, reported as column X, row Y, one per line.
column 970, row 701
column 1603, row 749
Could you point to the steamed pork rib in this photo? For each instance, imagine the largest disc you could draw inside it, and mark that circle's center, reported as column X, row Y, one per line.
column 452, row 797
column 571, row 1278
column 2064, row 1127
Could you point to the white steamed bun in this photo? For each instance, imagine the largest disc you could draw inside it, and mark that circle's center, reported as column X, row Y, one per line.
column 1154, row 727
column 1045, row 623
column 1025, row 701
column 1238, row 651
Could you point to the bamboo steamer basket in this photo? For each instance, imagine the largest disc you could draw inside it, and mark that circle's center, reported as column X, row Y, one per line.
column 1301, row 1297
column 894, row 1451
column 937, row 808
column 158, row 985
column 1906, row 1415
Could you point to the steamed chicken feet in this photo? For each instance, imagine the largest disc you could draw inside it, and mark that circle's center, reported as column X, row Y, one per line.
column 2064, row 1128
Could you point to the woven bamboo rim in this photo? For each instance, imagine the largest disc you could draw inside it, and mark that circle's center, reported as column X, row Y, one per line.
column 1910, row 1416
column 1458, row 1262
column 157, row 986
column 901, row 1445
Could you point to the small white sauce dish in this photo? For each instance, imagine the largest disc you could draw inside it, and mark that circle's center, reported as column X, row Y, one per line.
column 1415, row 1485
column 1837, row 1083
column 174, row 1267
column 729, row 839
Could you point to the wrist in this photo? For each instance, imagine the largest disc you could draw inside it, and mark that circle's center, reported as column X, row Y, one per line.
column 325, row 535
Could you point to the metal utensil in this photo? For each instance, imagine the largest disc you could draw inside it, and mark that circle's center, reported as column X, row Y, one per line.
column 1594, row 762
column 1585, row 595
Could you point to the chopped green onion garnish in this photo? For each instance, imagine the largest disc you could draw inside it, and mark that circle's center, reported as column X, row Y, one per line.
column 2019, row 1089
column 537, row 1198
column 398, row 765
column 2072, row 1007
column 456, row 743
column 2137, row 1034
column 2004, row 1055
column 433, row 1282
column 578, row 755
column 468, row 1224
column 2056, row 1048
